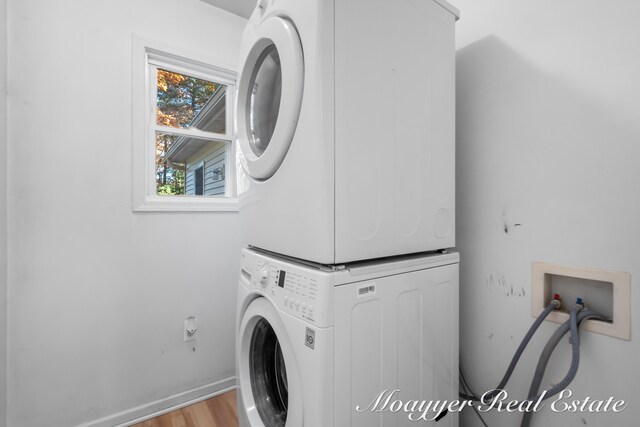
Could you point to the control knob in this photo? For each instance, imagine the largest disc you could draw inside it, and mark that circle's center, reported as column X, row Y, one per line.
column 264, row 276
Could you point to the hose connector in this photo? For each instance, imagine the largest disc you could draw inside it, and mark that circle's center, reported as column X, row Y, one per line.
column 556, row 301
column 579, row 304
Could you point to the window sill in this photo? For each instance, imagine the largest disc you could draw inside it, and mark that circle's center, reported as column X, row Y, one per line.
column 187, row 204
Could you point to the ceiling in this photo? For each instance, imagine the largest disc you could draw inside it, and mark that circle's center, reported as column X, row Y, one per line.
column 238, row 7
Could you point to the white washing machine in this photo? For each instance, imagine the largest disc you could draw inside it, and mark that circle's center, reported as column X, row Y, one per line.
column 345, row 121
column 315, row 343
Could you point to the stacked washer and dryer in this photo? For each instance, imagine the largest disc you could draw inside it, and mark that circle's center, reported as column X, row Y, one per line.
column 345, row 121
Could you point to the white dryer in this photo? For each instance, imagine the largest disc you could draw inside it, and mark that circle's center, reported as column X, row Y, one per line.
column 315, row 343
column 345, row 121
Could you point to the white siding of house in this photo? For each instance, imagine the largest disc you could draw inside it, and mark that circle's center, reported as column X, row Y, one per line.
column 212, row 159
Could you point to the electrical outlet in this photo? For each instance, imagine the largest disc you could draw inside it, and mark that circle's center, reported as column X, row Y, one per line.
column 190, row 329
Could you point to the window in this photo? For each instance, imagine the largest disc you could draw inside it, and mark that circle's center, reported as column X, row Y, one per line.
column 197, row 188
column 184, row 156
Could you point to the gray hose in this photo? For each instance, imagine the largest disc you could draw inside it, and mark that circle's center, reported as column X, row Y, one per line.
column 467, row 390
column 523, row 344
column 575, row 357
column 546, row 355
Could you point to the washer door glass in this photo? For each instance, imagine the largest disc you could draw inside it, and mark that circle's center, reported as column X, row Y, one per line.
column 268, row 375
column 264, row 100
column 270, row 87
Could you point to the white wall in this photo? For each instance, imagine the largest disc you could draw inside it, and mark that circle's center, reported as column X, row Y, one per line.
column 548, row 136
column 97, row 293
column 3, row 212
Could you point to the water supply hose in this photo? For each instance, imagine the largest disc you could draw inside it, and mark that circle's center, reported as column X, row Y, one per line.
column 553, row 305
column 546, row 355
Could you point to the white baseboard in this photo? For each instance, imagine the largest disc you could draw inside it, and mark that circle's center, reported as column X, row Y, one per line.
column 164, row 405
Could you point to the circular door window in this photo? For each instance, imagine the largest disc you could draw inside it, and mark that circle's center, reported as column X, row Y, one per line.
column 268, row 373
column 269, row 95
column 264, row 100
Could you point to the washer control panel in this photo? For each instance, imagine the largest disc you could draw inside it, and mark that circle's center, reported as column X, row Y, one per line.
column 297, row 290
column 300, row 292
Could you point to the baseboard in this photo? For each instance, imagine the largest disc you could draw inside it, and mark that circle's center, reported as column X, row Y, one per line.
column 162, row 406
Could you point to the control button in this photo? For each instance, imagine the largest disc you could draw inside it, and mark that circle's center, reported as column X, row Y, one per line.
column 304, row 306
column 310, row 309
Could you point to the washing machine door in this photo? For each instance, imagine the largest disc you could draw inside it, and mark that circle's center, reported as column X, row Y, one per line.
column 268, row 372
column 269, row 95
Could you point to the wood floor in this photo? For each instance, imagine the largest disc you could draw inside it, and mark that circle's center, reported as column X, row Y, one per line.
column 219, row 411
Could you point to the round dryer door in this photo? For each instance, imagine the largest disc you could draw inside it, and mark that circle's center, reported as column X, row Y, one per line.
column 268, row 372
column 269, row 95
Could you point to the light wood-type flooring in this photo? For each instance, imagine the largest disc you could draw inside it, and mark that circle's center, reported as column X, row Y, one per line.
column 219, row 411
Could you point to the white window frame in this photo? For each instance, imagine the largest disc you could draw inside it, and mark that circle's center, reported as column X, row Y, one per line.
column 148, row 56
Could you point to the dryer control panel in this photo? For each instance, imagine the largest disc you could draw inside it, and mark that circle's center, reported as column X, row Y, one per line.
column 298, row 290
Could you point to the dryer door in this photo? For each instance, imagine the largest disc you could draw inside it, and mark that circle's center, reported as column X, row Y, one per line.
column 268, row 372
column 269, row 95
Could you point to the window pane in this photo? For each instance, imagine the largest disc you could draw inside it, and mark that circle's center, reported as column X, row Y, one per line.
column 190, row 166
column 184, row 101
column 198, row 179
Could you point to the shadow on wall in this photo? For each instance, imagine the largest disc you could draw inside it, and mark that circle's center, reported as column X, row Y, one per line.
column 544, row 172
